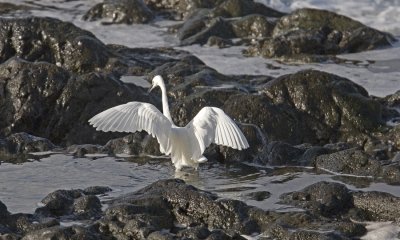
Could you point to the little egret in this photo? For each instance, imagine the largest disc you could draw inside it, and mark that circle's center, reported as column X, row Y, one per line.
column 185, row 144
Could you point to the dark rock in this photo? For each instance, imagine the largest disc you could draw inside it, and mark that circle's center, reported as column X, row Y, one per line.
column 219, row 42
column 87, row 207
column 253, row 26
column 215, row 27
column 23, row 223
column 324, row 106
column 378, row 206
column 136, row 220
column 67, row 233
column 160, row 235
column 194, row 24
column 218, row 234
column 70, row 202
column 204, row 24
column 23, row 143
column 351, row 161
column 277, row 231
column 393, row 100
column 44, row 39
column 96, row 190
column 3, row 212
column 178, row 10
column 325, row 198
column 183, row 201
column 133, row 144
column 319, row 32
column 120, row 11
column 240, row 8
column 258, row 196
column 8, row 236
column 17, row 148
column 59, row 202
column 10, row 8
column 82, row 150
column 49, row 102
column 283, row 154
column 198, row 232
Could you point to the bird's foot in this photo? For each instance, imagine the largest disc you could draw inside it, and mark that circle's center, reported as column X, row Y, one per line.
column 202, row 159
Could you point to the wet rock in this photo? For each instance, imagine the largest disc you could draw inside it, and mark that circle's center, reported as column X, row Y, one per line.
column 351, row 161
column 258, row 196
column 178, row 10
column 22, row 223
column 82, row 150
column 50, row 102
column 96, row 190
column 44, row 39
column 16, row 147
column 198, row 232
column 316, row 107
column 253, row 26
column 10, row 7
column 135, row 220
column 326, row 32
column 120, row 11
column 67, row 233
column 87, row 206
column 378, row 206
column 219, row 42
column 283, row 154
column 160, row 235
column 70, row 202
column 240, row 8
column 324, row 198
column 281, row 232
column 133, row 144
column 3, row 211
column 216, row 27
column 182, row 201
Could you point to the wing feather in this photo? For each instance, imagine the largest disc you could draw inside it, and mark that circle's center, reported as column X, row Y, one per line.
column 212, row 125
column 132, row 117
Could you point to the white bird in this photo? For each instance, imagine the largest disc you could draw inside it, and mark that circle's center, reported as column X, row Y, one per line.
column 185, row 144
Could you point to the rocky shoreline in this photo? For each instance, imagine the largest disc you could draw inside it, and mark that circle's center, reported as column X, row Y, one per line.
column 54, row 76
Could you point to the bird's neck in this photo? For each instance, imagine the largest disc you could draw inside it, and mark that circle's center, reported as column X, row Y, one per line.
column 165, row 102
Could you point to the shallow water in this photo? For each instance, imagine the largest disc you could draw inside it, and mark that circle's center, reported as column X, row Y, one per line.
column 24, row 185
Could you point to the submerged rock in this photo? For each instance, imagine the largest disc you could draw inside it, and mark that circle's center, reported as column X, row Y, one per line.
column 120, row 11
column 319, row 32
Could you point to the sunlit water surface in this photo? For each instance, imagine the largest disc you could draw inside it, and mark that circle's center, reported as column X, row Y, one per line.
column 22, row 186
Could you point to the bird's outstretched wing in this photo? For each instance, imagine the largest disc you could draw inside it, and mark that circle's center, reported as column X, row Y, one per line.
column 212, row 125
column 132, row 117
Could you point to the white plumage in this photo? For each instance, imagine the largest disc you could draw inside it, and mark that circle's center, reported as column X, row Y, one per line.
column 185, row 144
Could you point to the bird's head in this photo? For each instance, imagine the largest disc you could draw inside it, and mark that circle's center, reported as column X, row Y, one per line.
column 157, row 81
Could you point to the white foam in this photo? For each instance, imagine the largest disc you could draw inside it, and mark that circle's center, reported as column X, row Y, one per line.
column 381, row 230
column 380, row 14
